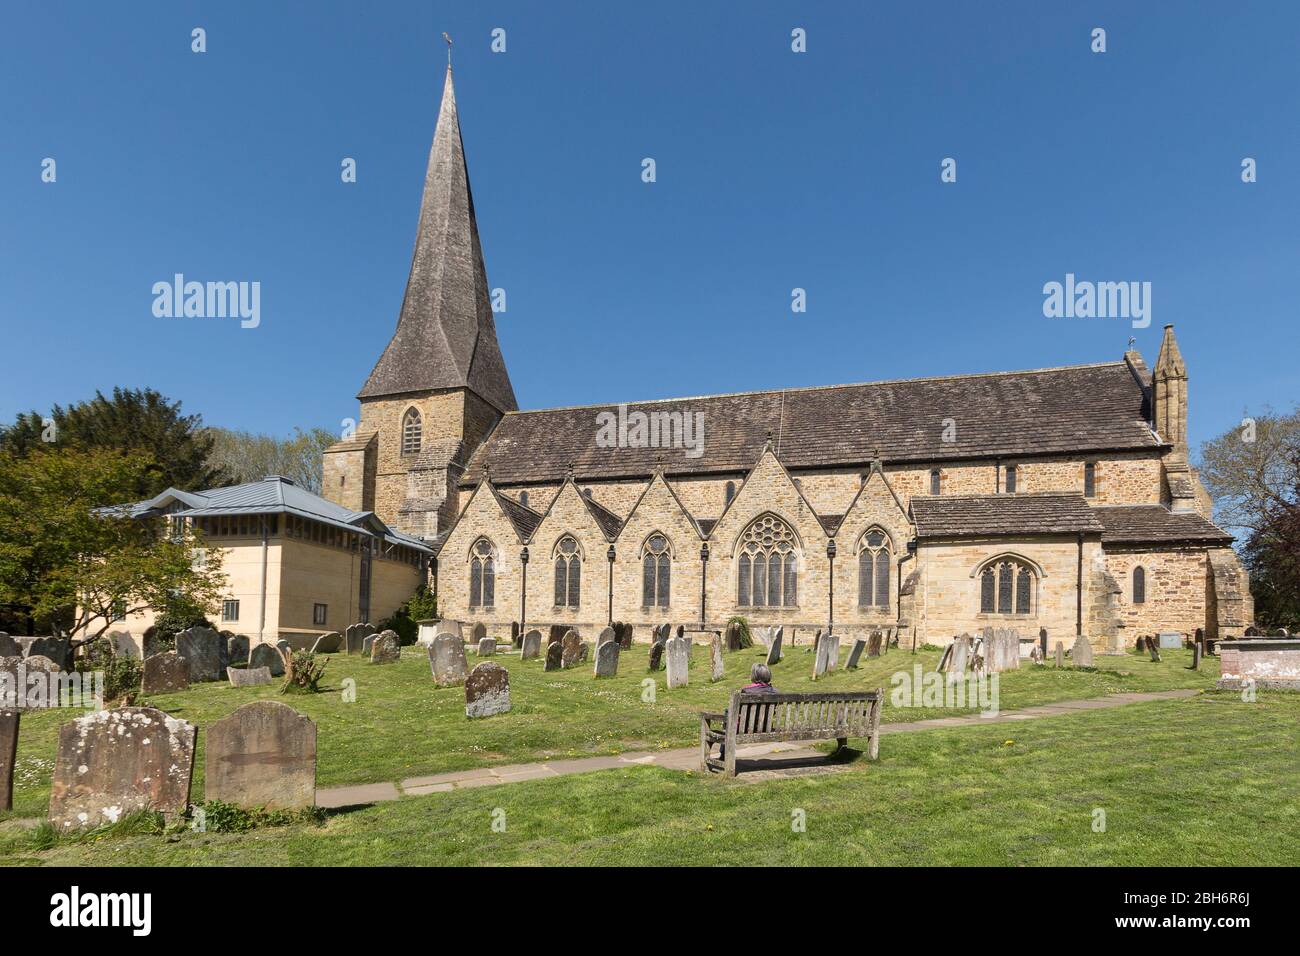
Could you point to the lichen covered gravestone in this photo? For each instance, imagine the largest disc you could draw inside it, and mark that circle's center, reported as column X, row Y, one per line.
column 717, row 668
column 554, row 656
column 1081, row 653
column 487, row 647
column 480, row 632
column 774, row 651
column 262, row 755
column 677, row 650
column 265, row 655
column 237, row 648
column 387, row 649
column 606, row 634
column 204, row 651
column 447, row 660
column 355, row 635
column 164, row 674
column 248, row 676
column 330, row 643
column 572, row 649
column 827, row 651
column 115, row 762
column 607, row 659
column 487, row 690
column 532, row 645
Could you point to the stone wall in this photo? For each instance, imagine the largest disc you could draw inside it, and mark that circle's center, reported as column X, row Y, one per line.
column 1175, row 590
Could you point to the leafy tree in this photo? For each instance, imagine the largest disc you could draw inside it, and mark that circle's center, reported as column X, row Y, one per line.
column 62, row 561
column 243, row 456
column 140, row 421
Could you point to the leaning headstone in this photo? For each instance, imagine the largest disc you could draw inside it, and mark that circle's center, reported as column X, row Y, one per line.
column 480, row 632
column 121, row 642
column 248, row 676
column 873, row 645
column 487, row 690
column 204, row 652
column 1154, row 649
column 1081, row 653
column 532, row 645
column 554, row 656
column 237, row 648
column 607, row 659
column 355, row 635
column 447, row 660
column 9, row 720
column 330, row 643
column 962, row 651
column 656, row 655
column 264, row 655
column 9, row 647
column 717, row 667
column 262, row 755
column 572, row 649
column 677, row 651
column 487, row 647
column 115, row 762
column 368, row 644
column 661, row 633
column 387, row 648
column 858, row 646
column 607, row 634
column 164, row 673
column 774, row 651
column 827, row 655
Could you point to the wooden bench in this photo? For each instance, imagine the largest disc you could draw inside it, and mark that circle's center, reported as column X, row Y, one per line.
column 763, row 718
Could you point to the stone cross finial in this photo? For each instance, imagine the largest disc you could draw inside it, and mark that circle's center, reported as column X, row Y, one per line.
column 448, row 39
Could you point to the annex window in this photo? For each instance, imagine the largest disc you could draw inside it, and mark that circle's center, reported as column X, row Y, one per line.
column 568, row 573
column 1139, row 585
column 768, row 566
column 873, row 569
column 412, row 432
column 1006, row 587
column 523, row 498
column 482, row 574
column 319, row 614
column 934, row 481
column 729, row 492
column 656, row 571
column 230, row 610
column 1090, row 479
column 1011, row 479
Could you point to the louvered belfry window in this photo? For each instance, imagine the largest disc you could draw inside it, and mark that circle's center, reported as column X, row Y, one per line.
column 768, row 566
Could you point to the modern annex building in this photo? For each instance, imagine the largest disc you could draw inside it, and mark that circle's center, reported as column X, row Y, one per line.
column 1057, row 498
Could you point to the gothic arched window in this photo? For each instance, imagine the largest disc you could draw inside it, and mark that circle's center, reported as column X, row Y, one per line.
column 934, row 481
column 1139, row 585
column 568, row 572
column 1006, row 587
column 412, row 432
column 768, row 567
column 656, row 571
column 729, row 492
column 873, row 569
column 482, row 574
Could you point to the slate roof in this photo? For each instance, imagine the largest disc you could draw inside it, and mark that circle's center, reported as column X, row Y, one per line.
column 1154, row 524
column 446, row 336
column 955, row 516
column 524, row 518
column 610, row 523
column 1044, row 411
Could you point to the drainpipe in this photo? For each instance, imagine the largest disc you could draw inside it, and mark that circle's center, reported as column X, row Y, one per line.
column 704, row 576
column 1078, row 591
column 610, row 554
column 914, row 553
column 830, row 608
column 523, row 589
column 261, row 613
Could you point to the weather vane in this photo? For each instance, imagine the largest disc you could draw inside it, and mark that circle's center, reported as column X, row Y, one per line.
column 448, row 39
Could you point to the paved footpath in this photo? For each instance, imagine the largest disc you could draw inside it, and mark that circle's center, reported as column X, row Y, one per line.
column 688, row 758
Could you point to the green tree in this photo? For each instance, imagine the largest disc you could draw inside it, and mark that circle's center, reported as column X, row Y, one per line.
column 81, row 569
column 138, row 421
column 244, row 456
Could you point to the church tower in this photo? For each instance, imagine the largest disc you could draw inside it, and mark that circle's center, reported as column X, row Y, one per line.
column 1169, row 393
column 441, row 384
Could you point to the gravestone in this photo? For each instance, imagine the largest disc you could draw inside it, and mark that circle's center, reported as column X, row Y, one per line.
column 607, row 634
column 248, row 676
column 1278, row 632
column 122, row 644
column 532, row 645
column 262, row 755
column 1060, row 655
column 447, row 660
column 1042, row 643
column 164, row 673
column 368, row 644
column 607, row 659
column 554, row 656
column 556, row 633
column 1251, row 631
column 571, row 649
column 1196, row 656
column 681, row 630
column 355, row 635
column 115, row 762
column 774, row 651
column 623, row 631
column 858, row 646
column 822, row 655
column 1001, row 649
column 9, row 647
column 661, row 633
column 387, row 648
column 480, row 632
column 959, row 655
column 237, row 648
column 677, row 650
column 204, row 651
column 733, row 636
column 330, row 643
column 19, row 692
column 1154, row 649
column 55, row 648
column 873, row 645
column 584, row 652
column 656, row 655
column 487, row 647
column 487, row 690
column 1081, row 653
column 515, row 634
column 264, row 655
column 9, row 720
column 717, row 667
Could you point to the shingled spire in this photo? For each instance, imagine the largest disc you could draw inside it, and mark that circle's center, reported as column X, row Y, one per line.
column 1169, row 393
column 446, row 337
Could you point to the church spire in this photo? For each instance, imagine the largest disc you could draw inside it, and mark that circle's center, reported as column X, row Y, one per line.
column 1169, row 393
column 446, row 336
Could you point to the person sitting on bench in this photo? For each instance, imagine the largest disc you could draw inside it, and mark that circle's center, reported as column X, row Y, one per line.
column 760, row 682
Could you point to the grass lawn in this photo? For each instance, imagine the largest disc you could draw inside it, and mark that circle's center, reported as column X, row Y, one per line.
column 1207, row 780
column 401, row 726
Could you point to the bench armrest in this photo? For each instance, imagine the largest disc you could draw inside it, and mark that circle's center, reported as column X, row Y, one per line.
column 711, row 717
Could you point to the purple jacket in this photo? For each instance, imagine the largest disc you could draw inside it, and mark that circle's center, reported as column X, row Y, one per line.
column 758, row 689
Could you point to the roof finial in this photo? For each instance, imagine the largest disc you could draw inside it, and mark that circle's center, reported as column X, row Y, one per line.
column 448, row 39
column 1132, row 341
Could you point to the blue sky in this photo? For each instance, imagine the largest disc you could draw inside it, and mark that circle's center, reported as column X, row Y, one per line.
column 775, row 170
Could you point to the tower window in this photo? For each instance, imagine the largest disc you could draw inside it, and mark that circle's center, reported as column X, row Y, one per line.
column 730, row 492
column 1139, row 585
column 934, row 481
column 1011, row 479
column 1090, row 479
column 412, row 432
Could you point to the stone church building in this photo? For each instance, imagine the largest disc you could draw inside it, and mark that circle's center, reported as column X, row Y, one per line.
column 1057, row 498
